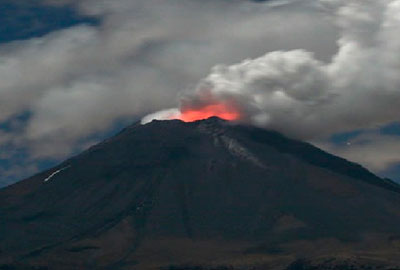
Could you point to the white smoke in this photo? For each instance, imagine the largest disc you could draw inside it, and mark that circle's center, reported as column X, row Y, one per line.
column 79, row 81
column 293, row 92
column 164, row 114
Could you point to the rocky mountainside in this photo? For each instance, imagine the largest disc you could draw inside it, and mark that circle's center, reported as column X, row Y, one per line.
column 201, row 195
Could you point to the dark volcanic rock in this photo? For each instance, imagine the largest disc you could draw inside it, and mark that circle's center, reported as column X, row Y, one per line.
column 169, row 193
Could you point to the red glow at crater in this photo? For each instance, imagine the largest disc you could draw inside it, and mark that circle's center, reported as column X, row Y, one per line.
column 220, row 110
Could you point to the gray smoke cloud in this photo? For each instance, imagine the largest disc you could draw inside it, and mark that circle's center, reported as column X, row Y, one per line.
column 326, row 66
column 295, row 93
column 78, row 81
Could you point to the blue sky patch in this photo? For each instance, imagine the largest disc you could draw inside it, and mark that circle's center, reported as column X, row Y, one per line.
column 27, row 19
column 392, row 129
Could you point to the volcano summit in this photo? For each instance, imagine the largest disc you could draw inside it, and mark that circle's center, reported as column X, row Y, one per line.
column 201, row 195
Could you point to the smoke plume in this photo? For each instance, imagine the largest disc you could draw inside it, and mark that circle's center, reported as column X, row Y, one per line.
column 301, row 96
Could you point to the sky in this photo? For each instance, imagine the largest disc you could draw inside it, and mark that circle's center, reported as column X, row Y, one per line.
column 75, row 72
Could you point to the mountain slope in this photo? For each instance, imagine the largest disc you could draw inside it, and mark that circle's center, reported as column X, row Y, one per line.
column 204, row 193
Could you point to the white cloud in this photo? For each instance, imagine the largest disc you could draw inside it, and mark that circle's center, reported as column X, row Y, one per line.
column 79, row 80
column 295, row 93
column 303, row 97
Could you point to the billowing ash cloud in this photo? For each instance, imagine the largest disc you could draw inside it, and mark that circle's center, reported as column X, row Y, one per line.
column 295, row 93
column 78, row 81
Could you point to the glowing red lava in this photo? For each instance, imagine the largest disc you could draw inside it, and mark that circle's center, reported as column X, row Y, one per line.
column 220, row 110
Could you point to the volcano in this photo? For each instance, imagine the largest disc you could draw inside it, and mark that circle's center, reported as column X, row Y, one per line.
column 201, row 195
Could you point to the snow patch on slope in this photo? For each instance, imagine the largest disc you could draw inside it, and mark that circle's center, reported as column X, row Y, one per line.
column 236, row 149
column 55, row 173
column 232, row 145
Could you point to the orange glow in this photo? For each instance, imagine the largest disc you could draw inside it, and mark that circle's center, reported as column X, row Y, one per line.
column 220, row 110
